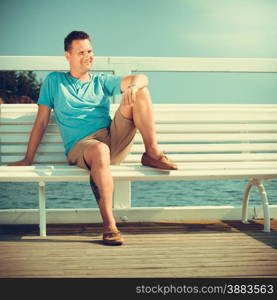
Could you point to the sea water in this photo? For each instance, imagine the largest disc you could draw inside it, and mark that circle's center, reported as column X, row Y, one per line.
column 144, row 194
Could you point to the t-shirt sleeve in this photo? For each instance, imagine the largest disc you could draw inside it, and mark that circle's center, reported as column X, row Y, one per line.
column 111, row 84
column 46, row 94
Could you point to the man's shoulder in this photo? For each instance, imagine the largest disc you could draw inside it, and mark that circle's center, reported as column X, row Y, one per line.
column 55, row 75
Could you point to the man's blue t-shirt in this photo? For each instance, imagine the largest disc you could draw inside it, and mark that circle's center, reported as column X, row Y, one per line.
column 80, row 108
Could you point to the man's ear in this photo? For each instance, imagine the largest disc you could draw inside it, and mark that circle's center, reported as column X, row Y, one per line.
column 66, row 54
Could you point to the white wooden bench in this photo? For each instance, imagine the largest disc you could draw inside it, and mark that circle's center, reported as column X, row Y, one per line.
column 208, row 142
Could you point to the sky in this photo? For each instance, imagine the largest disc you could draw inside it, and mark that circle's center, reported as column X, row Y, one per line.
column 159, row 28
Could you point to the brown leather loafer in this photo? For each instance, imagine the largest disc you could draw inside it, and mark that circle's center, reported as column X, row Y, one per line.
column 112, row 238
column 162, row 163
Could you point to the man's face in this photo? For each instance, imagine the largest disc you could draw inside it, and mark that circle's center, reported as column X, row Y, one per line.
column 80, row 56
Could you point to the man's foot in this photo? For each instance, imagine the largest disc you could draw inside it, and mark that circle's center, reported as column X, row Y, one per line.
column 112, row 238
column 161, row 163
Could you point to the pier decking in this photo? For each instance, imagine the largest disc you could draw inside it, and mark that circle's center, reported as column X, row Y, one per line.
column 179, row 249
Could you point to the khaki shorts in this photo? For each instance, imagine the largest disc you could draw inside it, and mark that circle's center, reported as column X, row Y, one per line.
column 119, row 137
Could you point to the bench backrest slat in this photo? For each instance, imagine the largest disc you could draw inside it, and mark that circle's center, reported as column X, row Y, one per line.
column 49, row 138
column 168, row 115
column 186, row 132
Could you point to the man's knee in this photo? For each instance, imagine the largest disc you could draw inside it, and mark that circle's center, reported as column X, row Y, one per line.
column 143, row 92
column 143, row 95
column 98, row 153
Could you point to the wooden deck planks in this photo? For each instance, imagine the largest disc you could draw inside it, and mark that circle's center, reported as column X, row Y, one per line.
column 150, row 250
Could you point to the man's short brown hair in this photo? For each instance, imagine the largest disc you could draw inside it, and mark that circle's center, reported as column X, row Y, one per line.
column 74, row 35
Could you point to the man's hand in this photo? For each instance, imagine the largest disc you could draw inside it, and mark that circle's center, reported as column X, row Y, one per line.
column 23, row 162
column 129, row 96
column 130, row 85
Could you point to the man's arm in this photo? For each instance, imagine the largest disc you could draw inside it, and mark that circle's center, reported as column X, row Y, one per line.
column 130, row 85
column 35, row 136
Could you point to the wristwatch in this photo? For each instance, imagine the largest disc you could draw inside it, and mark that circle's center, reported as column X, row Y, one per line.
column 132, row 85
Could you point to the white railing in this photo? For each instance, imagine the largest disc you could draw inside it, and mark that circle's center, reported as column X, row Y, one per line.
column 129, row 64
column 124, row 66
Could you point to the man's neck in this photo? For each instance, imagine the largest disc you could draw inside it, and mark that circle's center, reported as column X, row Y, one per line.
column 84, row 77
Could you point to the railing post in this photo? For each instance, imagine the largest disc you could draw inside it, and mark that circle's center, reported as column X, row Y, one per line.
column 122, row 194
column 42, row 210
column 122, row 189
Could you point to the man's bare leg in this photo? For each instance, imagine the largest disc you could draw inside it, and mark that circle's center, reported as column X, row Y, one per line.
column 142, row 114
column 98, row 158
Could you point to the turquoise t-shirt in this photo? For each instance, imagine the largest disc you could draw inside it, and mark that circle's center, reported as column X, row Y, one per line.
column 80, row 108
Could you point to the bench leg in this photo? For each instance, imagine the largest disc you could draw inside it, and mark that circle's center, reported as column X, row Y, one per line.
column 245, row 202
column 265, row 204
column 42, row 210
column 264, row 200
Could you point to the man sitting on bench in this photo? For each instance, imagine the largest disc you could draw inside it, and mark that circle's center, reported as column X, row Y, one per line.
column 92, row 140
